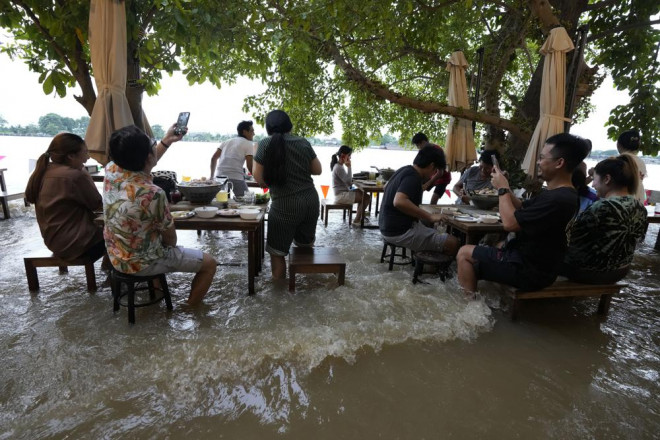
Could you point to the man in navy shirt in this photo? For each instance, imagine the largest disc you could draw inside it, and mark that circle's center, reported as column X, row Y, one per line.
column 531, row 260
column 400, row 214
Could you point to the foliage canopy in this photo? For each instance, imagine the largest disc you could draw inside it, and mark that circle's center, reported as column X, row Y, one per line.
column 375, row 65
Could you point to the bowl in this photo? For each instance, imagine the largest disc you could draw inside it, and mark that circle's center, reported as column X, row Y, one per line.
column 249, row 214
column 206, row 211
column 484, row 201
column 386, row 173
column 489, row 219
column 201, row 194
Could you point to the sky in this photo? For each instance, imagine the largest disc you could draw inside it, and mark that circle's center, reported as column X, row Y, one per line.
column 22, row 101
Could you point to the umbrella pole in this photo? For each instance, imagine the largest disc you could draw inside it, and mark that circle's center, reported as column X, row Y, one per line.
column 480, row 51
column 581, row 41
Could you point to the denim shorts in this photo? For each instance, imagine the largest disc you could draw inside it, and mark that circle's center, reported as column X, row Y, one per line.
column 176, row 259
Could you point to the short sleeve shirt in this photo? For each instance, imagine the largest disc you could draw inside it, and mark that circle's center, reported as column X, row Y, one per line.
column 299, row 155
column 391, row 221
column 542, row 238
column 135, row 213
column 604, row 236
column 234, row 152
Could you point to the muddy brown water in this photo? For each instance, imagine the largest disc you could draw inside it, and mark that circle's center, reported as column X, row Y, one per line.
column 376, row 358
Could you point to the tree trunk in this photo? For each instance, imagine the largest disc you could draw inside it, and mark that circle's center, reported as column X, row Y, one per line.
column 134, row 89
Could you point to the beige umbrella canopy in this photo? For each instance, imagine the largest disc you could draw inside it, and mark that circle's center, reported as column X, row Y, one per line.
column 553, row 85
column 460, row 149
column 107, row 42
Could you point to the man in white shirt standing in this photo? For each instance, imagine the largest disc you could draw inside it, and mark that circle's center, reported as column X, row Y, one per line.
column 233, row 154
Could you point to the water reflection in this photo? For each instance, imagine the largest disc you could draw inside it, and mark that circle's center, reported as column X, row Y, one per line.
column 376, row 357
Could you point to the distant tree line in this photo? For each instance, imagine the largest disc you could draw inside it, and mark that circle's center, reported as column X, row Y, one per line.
column 52, row 123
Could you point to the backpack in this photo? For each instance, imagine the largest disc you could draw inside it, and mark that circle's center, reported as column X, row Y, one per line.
column 166, row 180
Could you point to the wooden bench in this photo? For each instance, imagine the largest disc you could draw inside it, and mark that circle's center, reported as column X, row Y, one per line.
column 315, row 260
column 33, row 262
column 565, row 288
column 327, row 206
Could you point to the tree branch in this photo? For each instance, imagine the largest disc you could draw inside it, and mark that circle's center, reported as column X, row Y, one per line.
column 601, row 4
column 60, row 51
column 382, row 92
column 625, row 27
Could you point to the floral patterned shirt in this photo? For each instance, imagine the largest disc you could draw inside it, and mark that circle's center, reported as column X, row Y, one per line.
column 135, row 213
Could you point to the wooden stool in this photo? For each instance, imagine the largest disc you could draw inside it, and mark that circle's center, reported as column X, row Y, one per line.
column 565, row 288
column 438, row 259
column 315, row 260
column 405, row 260
column 129, row 281
column 327, row 206
column 31, row 264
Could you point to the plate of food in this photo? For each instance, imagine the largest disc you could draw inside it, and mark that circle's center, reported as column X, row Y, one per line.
column 250, row 207
column 465, row 218
column 228, row 213
column 182, row 214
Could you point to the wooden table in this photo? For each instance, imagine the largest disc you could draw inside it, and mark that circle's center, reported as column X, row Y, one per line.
column 470, row 233
column 254, row 228
column 370, row 187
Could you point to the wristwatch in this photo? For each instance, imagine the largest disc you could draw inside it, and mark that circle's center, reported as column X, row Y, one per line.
column 502, row 191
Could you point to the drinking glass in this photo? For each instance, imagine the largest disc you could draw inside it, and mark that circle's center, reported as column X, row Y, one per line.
column 325, row 189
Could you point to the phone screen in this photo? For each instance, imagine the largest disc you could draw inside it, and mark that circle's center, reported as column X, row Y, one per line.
column 183, row 119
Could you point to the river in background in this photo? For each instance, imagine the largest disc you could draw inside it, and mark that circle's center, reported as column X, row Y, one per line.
column 376, row 358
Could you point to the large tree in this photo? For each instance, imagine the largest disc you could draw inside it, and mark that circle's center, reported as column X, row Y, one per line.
column 374, row 64
column 378, row 64
column 195, row 37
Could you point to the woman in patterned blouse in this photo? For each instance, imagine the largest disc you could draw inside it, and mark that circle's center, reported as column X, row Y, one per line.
column 602, row 239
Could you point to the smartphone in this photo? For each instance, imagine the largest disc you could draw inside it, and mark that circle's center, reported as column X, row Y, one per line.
column 182, row 122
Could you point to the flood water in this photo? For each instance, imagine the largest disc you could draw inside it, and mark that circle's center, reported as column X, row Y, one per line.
column 376, row 358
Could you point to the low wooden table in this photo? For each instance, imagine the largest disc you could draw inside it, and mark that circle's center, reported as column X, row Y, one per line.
column 315, row 260
column 369, row 187
column 470, row 233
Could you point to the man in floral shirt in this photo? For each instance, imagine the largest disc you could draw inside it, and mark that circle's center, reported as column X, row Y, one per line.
column 139, row 231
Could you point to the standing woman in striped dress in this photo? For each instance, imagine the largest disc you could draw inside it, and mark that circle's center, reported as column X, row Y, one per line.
column 285, row 164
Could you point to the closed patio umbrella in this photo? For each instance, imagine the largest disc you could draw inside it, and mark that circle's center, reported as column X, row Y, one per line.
column 107, row 42
column 460, row 148
column 552, row 100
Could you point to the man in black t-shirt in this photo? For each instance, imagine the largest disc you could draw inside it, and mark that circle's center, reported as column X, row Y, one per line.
column 531, row 260
column 400, row 212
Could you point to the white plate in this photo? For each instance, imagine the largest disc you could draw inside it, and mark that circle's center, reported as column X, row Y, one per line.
column 182, row 214
column 466, row 219
column 228, row 213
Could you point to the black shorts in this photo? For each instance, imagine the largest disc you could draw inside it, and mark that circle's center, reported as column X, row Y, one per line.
column 497, row 265
column 506, row 266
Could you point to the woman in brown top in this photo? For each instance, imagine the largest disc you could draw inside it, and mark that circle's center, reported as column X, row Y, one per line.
column 65, row 198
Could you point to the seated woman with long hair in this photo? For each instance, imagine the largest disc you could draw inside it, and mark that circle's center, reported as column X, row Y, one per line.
column 285, row 164
column 65, row 199
column 342, row 180
column 602, row 239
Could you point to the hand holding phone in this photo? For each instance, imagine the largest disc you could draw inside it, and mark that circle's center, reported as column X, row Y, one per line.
column 182, row 123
